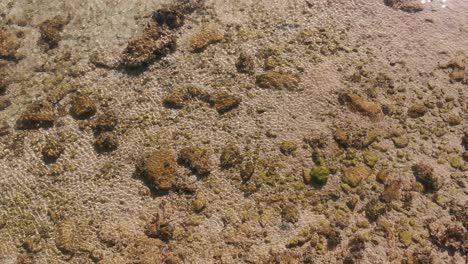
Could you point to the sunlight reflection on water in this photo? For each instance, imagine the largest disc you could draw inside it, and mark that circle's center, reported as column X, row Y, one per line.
column 443, row 3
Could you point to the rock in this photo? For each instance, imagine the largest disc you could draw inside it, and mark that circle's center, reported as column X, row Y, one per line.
column 197, row 159
column 39, row 114
column 354, row 175
column 106, row 142
column 405, row 238
column 374, row 209
column 230, row 156
column 204, row 37
column 245, row 63
column 424, row 173
column 417, row 110
column 51, row 31
column 391, row 192
column 52, row 150
column 181, row 95
column 160, row 168
column 356, row 137
column 33, row 244
column 288, row 147
column 4, row 103
column 159, row 229
column 410, row 6
column 82, row 107
column 453, row 120
column 361, row 104
column 370, row 158
column 277, row 81
column 4, row 128
column 319, row 174
column 383, row 176
column 67, row 237
column 9, row 44
column 199, row 202
column 225, row 102
column 105, row 122
column 153, row 44
column 400, row 142
column 247, row 170
column 449, row 234
column 169, row 17
column 289, row 213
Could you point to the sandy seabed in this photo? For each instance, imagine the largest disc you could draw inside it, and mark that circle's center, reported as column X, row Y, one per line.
column 247, row 131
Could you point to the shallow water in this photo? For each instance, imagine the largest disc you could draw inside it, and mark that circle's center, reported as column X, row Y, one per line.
column 246, row 131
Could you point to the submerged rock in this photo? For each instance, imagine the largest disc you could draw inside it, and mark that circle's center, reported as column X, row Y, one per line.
column 277, row 81
column 361, row 104
column 230, row 156
column 225, row 102
column 410, row 6
column 197, row 159
column 424, row 173
column 160, row 168
column 354, row 175
column 37, row 115
column 82, row 106
column 52, row 150
column 51, row 31
column 9, row 43
column 206, row 36
column 153, row 44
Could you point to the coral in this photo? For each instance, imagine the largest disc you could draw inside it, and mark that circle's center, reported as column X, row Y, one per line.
column 106, row 142
column 197, row 159
column 38, row 114
column 160, row 168
column 230, row 156
column 204, row 37
column 82, row 106
column 277, row 81
column 51, row 31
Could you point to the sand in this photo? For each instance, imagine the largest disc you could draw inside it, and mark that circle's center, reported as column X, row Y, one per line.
column 358, row 86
